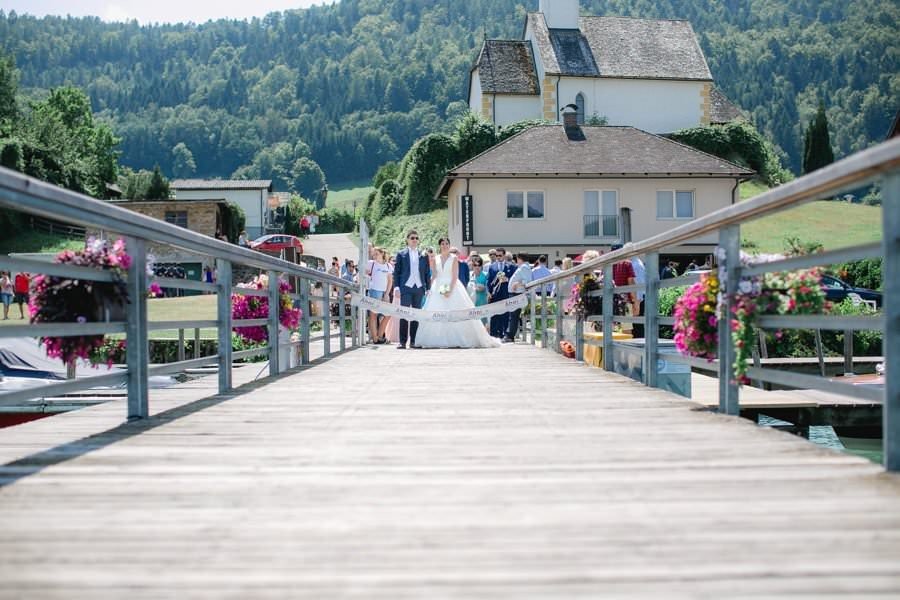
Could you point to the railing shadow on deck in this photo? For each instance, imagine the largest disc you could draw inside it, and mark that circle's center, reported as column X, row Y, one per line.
column 143, row 234
column 32, row 464
column 880, row 163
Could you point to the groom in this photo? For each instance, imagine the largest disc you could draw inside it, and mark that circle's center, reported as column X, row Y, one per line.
column 412, row 276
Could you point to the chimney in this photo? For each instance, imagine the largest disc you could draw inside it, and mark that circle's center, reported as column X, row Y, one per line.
column 570, row 123
column 560, row 14
column 570, row 115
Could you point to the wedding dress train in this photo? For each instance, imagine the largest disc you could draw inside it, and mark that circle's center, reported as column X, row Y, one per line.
column 461, row 334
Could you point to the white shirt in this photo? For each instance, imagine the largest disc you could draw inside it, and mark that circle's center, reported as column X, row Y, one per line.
column 640, row 274
column 378, row 276
column 521, row 277
column 414, row 280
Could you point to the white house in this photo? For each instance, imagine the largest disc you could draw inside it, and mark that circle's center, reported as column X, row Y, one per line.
column 253, row 196
column 561, row 189
column 646, row 73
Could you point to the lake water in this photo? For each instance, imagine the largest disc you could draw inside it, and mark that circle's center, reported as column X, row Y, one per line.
column 825, row 436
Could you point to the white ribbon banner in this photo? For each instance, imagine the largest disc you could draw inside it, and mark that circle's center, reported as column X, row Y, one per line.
column 439, row 316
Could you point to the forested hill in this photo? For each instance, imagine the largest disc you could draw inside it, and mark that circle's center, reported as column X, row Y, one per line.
column 360, row 80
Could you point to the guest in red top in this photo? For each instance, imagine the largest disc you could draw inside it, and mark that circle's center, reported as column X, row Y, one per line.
column 22, row 286
column 623, row 274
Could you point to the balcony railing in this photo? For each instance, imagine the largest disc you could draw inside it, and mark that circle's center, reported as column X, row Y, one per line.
column 606, row 226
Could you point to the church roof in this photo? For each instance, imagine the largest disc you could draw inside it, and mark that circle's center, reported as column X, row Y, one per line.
column 621, row 47
column 507, row 67
column 722, row 110
column 548, row 151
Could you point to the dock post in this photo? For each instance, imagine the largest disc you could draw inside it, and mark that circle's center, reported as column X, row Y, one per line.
column 223, row 302
column 730, row 256
column 890, row 211
column 136, row 333
column 651, row 320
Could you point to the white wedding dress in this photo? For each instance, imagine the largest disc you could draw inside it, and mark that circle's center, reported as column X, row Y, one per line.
column 461, row 334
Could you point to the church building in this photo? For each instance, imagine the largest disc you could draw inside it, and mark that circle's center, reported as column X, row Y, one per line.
column 650, row 74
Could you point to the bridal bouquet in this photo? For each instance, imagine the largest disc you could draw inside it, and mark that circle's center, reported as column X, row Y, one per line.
column 444, row 289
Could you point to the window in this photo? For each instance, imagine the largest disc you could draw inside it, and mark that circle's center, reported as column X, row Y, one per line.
column 177, row 217
column 601, row 213
column 671, row 204
column 579, row 111
column 523, row 204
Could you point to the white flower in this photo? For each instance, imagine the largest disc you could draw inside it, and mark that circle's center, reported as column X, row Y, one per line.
column 745, row 286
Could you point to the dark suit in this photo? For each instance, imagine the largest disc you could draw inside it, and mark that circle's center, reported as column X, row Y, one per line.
column 410, row 296
column 463, row 272
column 499, row 291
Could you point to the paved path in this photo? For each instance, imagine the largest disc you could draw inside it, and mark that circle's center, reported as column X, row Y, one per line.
column 326, row 245
column 505, row 473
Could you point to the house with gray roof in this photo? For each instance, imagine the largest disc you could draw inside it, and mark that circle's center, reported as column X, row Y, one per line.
column 254, row 196
column 562, row 189
column 646, row 73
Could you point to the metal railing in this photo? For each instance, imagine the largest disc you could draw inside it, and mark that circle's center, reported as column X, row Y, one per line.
column 603, row 226
column 880, row 163
column 310, row 287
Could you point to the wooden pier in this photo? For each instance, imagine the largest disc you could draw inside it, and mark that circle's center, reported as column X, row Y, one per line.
column 381, row 473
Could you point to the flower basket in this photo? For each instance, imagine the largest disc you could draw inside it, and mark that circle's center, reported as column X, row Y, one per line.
column 257, row 307
column 67, row 300
column 696, row 320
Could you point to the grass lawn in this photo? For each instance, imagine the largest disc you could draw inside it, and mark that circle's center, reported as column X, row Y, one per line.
column 197, row 308
column 342, row 198
column 832, row 223
column 33, row 241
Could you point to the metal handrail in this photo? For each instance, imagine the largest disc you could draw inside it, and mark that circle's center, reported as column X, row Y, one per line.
column 29, row 195
column 879, row 162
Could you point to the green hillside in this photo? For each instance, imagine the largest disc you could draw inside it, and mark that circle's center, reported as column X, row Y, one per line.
column 357, row 81
column 831, row 223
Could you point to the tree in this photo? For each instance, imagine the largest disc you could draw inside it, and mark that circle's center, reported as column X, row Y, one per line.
column 183, row 164
column 817, row 151
column 9, row 111
column 308, row 180
column 421, row 171
column 159, row 186
column 473, row 136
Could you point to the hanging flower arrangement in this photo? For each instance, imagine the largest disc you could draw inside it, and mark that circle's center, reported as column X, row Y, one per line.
column 696, row 320
column 257, row 307
column 779, row 293
column 67, row 300
column 580, row 302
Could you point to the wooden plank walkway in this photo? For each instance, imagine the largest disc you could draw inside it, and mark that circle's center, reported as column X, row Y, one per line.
column 507, row 473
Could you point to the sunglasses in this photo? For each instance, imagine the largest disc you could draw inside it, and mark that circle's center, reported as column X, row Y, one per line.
column 413, row 237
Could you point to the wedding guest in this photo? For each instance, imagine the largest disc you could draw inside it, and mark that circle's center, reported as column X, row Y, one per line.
column 540, row 271
column 380, row 275
column 335, row 268
column 243, row 240
column 623, row 274
column 498, row 289
column 463, row 266
column 477, row 287
column 517, row 283
column 21, row 289
column 6, row 292
column 640, row 278
column 392, row 331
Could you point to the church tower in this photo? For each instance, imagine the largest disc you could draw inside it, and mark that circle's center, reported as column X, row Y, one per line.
column 560, row 14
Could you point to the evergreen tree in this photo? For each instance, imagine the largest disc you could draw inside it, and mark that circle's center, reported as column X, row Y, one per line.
column 817, row 151
column 183, row 164
column 8, row 85
column 159, row 187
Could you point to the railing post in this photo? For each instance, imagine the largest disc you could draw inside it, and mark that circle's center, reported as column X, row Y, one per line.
column 274, row 305
column 533, row 323
column 196, row 342
column 544, row 316
column 223, row 271
column 608, row 317
column 326, row 324
column 138, row 351
column 559, row 317
column 729, row 272
column 890, row 211
column 306, row 306
column 651, row 320
column 342, row 309
column 579, row 337
column 180, row 344
column 848, row 351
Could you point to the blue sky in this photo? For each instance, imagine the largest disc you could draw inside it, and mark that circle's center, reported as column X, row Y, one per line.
column 156, row 11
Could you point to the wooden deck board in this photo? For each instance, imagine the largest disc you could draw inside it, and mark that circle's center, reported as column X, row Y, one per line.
column 493, row 473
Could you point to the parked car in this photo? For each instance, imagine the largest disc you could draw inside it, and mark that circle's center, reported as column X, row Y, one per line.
column 837, row 290
column 277, row 243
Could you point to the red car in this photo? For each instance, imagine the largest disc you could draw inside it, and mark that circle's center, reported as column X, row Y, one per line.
column 277, row 243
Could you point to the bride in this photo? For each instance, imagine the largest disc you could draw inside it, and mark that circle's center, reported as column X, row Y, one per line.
column 461, row 334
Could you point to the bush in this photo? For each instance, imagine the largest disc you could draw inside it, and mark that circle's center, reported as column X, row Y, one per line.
column 421, row 171
column 390, row 233
column 865, row 273
column 335, row 220
column 738, row 142
column 233, row 221
column 387, row 201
